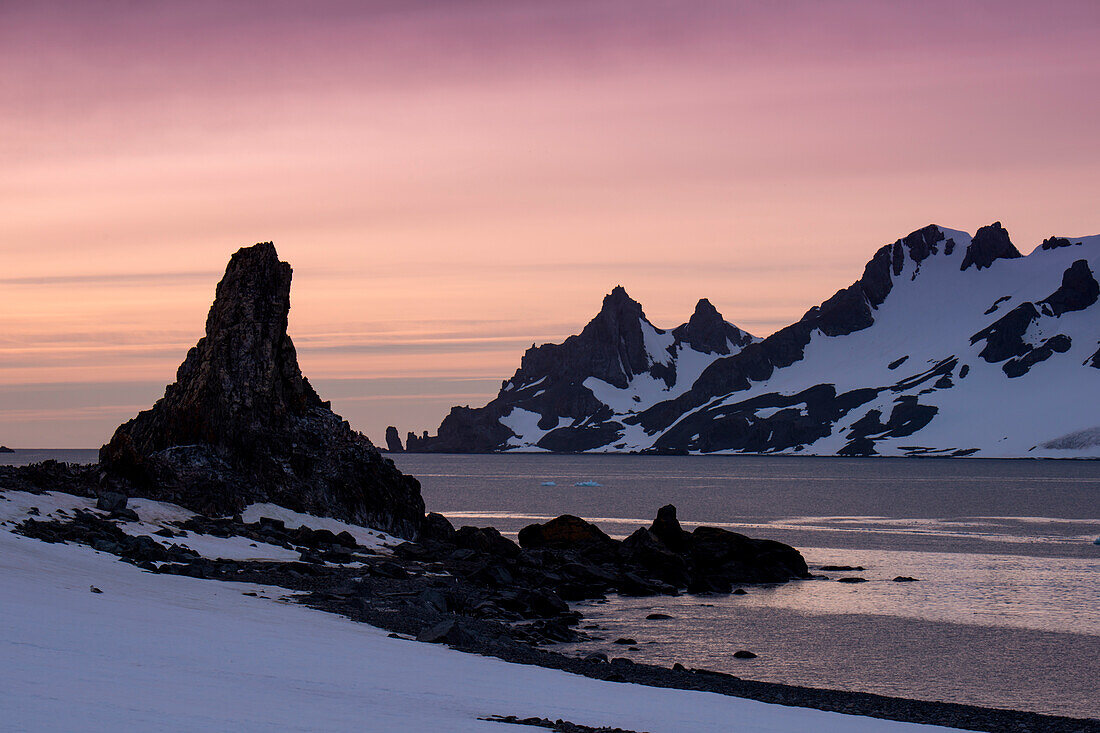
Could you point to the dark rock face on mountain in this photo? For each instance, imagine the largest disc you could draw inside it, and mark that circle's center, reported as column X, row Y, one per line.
column 393, row 440
column 1055, row 243
column 1078, row 290
column 1005, row 338
column 989, row 243
column 242, row 425
column 707, row 332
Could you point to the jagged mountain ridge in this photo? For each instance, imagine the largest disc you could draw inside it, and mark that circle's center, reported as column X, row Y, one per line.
column 947, row 345
column 573, row 396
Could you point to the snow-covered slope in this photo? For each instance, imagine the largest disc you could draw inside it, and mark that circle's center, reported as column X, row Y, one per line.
column 947, row 345
column 156, row 652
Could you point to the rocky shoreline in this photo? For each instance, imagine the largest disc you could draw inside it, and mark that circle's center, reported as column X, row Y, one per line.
column 434, row 591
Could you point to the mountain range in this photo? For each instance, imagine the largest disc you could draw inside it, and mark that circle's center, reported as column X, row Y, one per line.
column 947, row 345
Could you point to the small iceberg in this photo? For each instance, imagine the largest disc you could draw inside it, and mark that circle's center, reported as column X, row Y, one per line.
column 548, row 483
column 586, row 483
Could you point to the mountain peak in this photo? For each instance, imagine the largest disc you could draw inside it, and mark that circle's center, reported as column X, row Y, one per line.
column 990, row 243
column 708, row 332
column 618, row 298
column 705, row 309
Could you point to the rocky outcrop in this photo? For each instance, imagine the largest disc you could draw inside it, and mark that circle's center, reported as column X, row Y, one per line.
column 1078, row 290
column 242, row 425
column 393, row 440
column 660, row 559
column 5, row 449
column 564, row 532
column 1005, row 338
column 708, row 333
column 1055, row 243
column 989, row 244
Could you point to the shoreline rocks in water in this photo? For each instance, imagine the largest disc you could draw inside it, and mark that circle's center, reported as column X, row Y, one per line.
column 411, row 597
column 241, row 424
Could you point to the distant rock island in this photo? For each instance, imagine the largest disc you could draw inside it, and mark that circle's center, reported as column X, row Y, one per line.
column 947, row 345
column 6, row 449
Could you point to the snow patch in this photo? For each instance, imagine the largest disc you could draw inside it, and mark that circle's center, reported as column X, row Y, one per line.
column 372, row 538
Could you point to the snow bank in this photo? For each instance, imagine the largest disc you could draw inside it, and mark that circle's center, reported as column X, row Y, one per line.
column 372, row 538
column 16, row 505
column 170, row 653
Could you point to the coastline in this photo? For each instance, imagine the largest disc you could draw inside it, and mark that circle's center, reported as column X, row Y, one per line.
column 965, row 717
column 394, row 603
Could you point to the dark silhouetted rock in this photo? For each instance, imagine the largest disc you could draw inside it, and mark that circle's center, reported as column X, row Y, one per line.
column 666, row 527
column 989, row 244
column 563, row 533
column 393, row 440
column 1055, row 243
column 437, row 527
column 734, row 558
column 485, row 539
column 451, row 631
column 242, row 425
column 1078, row 290
column 743, row 654
column 707, row 332
column 6, row 449
column 646, row 550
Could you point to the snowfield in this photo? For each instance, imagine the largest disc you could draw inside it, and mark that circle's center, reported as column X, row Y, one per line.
column 171, row 653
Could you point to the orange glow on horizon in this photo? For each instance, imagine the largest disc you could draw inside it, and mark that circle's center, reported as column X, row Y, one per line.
column 452, row 183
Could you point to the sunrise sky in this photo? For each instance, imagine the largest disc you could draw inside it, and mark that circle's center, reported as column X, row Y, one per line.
column 455, row 180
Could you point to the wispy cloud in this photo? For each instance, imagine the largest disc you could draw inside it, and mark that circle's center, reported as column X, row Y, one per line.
column 113, row 279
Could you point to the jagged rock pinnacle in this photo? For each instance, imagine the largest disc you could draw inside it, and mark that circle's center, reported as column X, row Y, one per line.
column 242, row 425
column 989, row 243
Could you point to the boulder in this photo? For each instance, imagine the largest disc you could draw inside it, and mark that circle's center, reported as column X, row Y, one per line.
column 666, row 527
column 437, row 527
column 566, row 532
column 450, row 631
column 486, row 539
column 241, row 424
column 645, row 550
column 111, row 501
column 739, row 559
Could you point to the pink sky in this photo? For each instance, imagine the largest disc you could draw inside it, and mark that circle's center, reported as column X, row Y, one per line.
column 455, row 180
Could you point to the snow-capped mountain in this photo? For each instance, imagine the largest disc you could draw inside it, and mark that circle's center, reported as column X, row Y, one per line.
column 947, row 345
column 574, row 396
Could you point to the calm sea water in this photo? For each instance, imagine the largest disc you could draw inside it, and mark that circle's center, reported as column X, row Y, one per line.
column 1006, row 613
